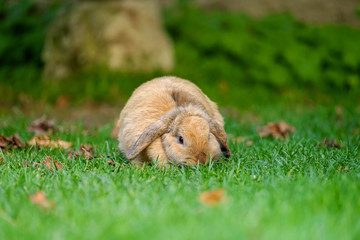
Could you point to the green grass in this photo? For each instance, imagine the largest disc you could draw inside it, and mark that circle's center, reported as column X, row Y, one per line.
column 289, row 189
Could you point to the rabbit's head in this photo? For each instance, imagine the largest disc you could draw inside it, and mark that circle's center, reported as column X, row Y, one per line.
column 188, row 135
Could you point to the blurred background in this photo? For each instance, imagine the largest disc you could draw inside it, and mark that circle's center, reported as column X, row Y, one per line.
column 74, row 58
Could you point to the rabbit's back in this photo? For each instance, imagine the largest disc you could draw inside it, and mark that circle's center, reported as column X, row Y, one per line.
column 150, row 101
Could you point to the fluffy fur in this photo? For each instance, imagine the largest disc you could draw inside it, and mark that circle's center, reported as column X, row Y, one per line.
column 171, row 119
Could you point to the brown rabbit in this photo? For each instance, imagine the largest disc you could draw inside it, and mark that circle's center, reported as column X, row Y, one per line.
column 171, row 119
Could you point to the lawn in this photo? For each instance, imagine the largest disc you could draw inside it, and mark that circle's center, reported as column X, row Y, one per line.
column 274, row 189
column 258, row 70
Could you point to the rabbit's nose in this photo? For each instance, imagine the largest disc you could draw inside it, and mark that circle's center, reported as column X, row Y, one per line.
column 225, row 152
column 191, row 161
column 203, row 157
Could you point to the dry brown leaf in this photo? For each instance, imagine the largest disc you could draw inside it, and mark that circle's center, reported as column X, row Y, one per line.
column 18, row 142
column 87, row 148
column 3, row 142
column 40, row 200
column 242, row 139
column 52, row 164
column 212, row 198
column 62, row 101
column 329, row 143
column 63, row 144
column 341, row 169
column 112, row 163
column 75, row 153
column 44, row 141
column 86, row 151
column 239, row 139
column 12, row 142
column 42, row 126
column 280, row 130
column 88, row 155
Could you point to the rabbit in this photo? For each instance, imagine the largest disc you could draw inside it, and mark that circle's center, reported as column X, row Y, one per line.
column 171, row 119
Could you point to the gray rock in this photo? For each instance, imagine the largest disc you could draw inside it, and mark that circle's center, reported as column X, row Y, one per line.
column 119, row 35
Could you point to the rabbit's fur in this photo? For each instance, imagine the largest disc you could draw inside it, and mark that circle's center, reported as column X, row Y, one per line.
column 169, row 118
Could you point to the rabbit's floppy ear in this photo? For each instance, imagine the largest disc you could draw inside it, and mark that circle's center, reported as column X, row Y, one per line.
column 221, row 136
column 154, row 131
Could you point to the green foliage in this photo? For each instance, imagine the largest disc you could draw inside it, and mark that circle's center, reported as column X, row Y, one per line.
column 233, row 58
column 276, row 51
column 22, row 32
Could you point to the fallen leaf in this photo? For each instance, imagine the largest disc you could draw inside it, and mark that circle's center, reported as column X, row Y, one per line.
column 42, row 126
column 88, row 155
column 51, row 164
column 243, row 139
column 1, row 160
column 74, row 153
column 3, row 142
column 12, row 142
column 329, row 143
column 40, row 200
column 62, row 101
column 44, row 141
column 112, row 163
column 340, row 169
column 86, row 151
column 280, row 130
column 239, row 139
column 18, row 142
column 87, row 148
column 212, row 198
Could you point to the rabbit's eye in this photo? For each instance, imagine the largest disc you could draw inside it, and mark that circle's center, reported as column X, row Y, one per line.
column 181, row 140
